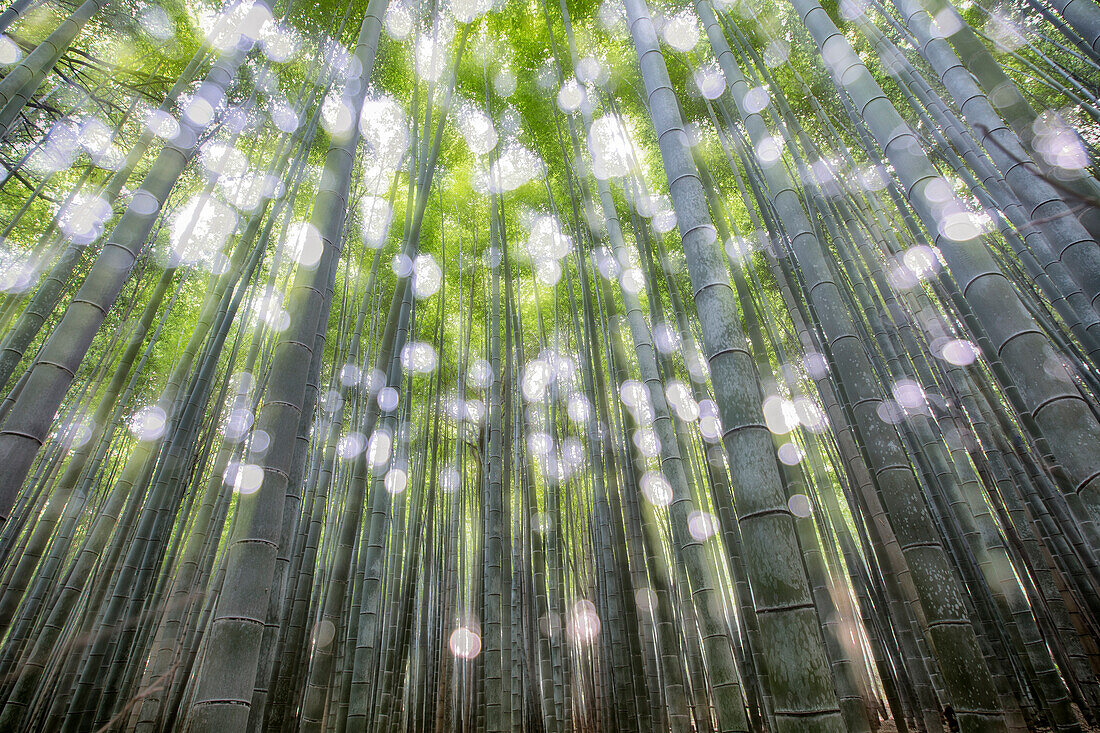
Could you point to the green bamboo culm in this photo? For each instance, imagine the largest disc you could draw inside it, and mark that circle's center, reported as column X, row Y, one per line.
column 792, row 646
column 500, row 366
column 223, row 697
column 56, row 364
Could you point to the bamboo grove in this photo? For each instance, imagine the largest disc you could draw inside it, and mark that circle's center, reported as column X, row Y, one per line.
column 558, row 365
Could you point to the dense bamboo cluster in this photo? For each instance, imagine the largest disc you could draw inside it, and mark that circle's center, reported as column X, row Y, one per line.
column 725, row 365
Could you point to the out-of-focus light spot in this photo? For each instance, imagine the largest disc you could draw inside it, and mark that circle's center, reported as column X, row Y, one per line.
column 810, row 415
column 1004, row 32
column 223, row 159
column 852, row 9
column 419, row 357
column 465, row 643
column 399, row 21
column 908, row 394
column 335, row 116
column 702, row 525
column 59, row 150
column 385, row 131
column 541, row 523
column 946, row 23
column 870, row 178
column 331, row 401
column 339, row 58
column 769, row 150
column 9, row 52
column 536, row 378
column 891, row 412
column 1058, row 143
column 656, row 488
column 546, row 240
column 550, row 624
column 679, row 396
column 148, row 423
column 570, row 96
column 756, row 100
column 283, row 116
column 95, row 136
column 777, row 53
column 350, row 445
column 373, row 380
column 350, row 374
column 591, row 71
column 633, row 280
column 200, row 111
column 449, row 479
column 666, row 338
column 242, row 382
column 247, row 478
column 504, row 83
column 959, row 352
column 606, row 263
column 238, row 423
column 789, row 454
column 817, row 366
column 633, row 393
column 143, row 203
column 681, row 31
column 515, row 167
column 584, row 624
column 492, row 257
column 426, row 276
column 478, row 130
column 83, row 217
column 480, row 374
column 709, row 80
column 375, row 215
column 647, row 442
column 401, row 264
column 780, row 415
column 200, row 229
column 664, row 221
column 378, row 448
column 572, row 453
column 431, row 54
column 578, row 408
column 303, row 244
column 323, row 633
column 696, row 364
column 611, row 144
column 281, row 43
column 454, row 407
column 739, row 249
column 959, row 226
column 475, row 410
column 800, row 505
column 710, row 428
column 388, row 399
column 921, row 260
column 261, row 441
column 396, row 480
column 246, row 192
column 77, row 433
column 540, row 443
